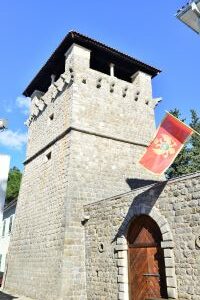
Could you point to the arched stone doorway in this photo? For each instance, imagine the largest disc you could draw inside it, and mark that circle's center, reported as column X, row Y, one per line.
column 145, row 260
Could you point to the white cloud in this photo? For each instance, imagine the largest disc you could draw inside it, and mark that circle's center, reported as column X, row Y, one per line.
column 24, row 104
column 8, row 109
column 13, row 139
column 7, row 106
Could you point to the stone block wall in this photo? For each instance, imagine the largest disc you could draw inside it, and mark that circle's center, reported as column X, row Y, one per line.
column 50, row 115
column 175, row 206
column 98, row 168
column 113, row 107
column 34, row 262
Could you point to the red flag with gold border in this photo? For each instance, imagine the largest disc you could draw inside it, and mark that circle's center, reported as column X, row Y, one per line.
column 168, row 142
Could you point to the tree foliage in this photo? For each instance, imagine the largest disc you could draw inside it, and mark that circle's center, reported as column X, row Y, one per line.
column 188, row 160
column 13, row 185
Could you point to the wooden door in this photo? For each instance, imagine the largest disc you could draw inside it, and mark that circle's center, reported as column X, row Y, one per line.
column 146, row 260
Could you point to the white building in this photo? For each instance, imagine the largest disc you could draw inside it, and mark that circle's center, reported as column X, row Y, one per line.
column 4, row 169
column 6, row 227
column 5, row 213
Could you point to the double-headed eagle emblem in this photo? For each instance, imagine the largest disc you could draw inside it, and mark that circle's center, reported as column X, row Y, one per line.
column 164, row 145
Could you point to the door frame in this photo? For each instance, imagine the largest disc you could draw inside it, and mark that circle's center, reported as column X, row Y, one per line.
column 167, row 245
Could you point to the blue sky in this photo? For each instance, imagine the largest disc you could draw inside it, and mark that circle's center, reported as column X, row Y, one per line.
column 31, row 30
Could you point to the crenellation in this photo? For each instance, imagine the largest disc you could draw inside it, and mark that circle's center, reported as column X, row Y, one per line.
column 105, row 82
column 116, row 87
column 78, row 57
column 143, row 82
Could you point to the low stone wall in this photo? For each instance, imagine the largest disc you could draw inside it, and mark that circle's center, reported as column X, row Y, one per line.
column 175, row 206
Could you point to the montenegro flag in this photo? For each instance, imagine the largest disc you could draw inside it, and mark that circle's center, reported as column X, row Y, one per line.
column 168, row 142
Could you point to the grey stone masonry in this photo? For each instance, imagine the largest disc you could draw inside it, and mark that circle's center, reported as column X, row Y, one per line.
column 85, row 137
column 175, row 206
column 34, row 262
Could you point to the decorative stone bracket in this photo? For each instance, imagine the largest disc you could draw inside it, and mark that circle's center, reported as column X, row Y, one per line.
column 167, row 244
column 41, row 100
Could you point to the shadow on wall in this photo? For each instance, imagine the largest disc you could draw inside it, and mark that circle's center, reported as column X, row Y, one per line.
column 4, row 296
column 135, row 183
column 145, row 200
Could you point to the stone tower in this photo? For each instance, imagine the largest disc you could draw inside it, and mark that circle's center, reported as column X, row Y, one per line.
column 92, row 115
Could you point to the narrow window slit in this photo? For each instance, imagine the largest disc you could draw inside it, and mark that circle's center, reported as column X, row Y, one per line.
column 48, row 156
column 51, row 117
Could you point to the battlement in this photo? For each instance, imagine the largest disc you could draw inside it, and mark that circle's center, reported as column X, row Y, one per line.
column 102, row 57
column 87, row 99
column 124, row 90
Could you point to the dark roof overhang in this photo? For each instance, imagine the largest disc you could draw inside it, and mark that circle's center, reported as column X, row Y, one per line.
column 55, row 64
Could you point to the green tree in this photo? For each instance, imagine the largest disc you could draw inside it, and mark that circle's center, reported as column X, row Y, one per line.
column 188, row 160
column 14, row 180
column 194, row 164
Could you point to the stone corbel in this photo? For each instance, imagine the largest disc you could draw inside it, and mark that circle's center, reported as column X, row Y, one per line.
column 41, row 105
column 37, row 102
column 29, row 120
column 27, row 123
column 154, row 102
column 66, row 77
column 37, row 94
column 59, row 84
column 35, row 111
column 52, row 91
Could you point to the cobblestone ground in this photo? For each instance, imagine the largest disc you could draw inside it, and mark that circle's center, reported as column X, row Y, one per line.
column 7, row 296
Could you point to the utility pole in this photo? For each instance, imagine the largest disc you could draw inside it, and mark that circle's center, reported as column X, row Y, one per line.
column 190, row 15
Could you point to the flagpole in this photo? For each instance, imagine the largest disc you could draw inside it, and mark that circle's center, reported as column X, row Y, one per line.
column 183, row 123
